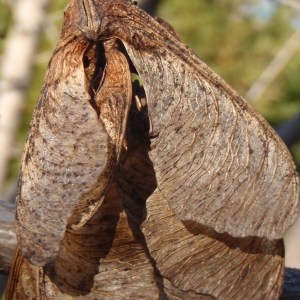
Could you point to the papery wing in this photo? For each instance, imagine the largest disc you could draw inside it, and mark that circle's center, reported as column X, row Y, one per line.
column 100, row 260
column 217, row 162
column 67, row 159
column 23, row 280
column 197, row 259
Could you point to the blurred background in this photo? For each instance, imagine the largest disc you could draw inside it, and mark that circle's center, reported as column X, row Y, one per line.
column 253, row 44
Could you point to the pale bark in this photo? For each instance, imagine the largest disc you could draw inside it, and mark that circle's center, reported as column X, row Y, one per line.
column 292, row 245
column 19, row 53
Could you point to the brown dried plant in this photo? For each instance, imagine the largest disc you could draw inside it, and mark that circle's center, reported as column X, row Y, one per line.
column 171, row 187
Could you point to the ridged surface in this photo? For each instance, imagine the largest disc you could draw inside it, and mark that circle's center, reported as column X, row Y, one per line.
column 66, row 160
column 7, row 236
column 102, row 260
column 196, row 258
column 216, row 161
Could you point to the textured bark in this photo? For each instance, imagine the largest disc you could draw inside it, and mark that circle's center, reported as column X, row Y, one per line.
column 174, row 189
column 7, row 236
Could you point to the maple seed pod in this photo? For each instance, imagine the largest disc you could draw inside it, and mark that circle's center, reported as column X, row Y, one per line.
column 189, row 190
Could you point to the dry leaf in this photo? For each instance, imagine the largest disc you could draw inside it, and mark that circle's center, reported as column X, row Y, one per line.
column 184, row 196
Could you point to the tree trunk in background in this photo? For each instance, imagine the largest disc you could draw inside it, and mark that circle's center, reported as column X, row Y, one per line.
column 19, row 52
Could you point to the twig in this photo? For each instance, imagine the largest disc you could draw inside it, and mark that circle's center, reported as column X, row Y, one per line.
column 275, row 67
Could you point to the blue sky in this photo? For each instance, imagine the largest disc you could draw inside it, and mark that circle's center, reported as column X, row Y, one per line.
column 263, row 9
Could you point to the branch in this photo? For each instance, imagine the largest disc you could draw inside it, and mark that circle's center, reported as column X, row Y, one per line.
column 7, row 235
column 275, row 67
